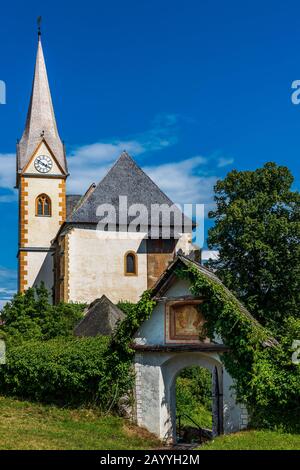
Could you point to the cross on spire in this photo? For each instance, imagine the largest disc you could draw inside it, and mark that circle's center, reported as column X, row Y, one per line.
column 39, row 22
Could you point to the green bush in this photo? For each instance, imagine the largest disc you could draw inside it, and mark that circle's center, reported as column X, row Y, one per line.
column 65, row 371
column 200, row 384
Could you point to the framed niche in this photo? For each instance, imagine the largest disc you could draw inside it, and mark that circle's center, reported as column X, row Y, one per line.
column 184, row 321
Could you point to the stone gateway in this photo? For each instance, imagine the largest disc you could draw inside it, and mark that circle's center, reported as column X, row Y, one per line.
column 160, row 355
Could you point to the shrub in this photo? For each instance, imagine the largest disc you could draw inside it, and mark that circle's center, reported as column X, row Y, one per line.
column 200, row 384
column 65, row 371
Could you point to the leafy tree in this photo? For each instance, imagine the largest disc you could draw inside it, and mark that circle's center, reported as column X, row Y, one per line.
column 257, row 231
column 30, row 316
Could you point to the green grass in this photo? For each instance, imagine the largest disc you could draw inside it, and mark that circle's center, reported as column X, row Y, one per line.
column 201, row 415
column 26, row 425
column 255, row 440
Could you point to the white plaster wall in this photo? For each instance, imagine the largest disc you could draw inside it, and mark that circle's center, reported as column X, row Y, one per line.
column 43, row 150
column 152, row 330
column 156, row 374
column 149, row 389
column 41, row 230
column 235, row 414
column 155, row 388
column 40, row 268
column 46, row 274
column 96, row 266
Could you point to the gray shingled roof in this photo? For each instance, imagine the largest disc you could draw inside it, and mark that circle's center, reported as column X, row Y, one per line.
column 183, row 260
column 72, row 200
column 125, row 178
column 100, row 319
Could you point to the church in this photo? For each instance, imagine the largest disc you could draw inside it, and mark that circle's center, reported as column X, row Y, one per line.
column 69, row 241
column 121, row 237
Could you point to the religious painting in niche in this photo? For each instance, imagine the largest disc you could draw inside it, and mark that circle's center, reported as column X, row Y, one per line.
column 185, row 321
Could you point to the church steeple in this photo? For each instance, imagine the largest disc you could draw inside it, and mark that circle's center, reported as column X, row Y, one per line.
column 41, row 180
column 40, row 122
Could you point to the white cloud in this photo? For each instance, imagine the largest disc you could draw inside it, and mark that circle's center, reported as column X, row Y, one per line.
column 184, row 181
column 210, row 255
column 89, row 163
column 8, row 284
column 224, row 161
column 2, row 303
column 7, row 176
column 188, row 180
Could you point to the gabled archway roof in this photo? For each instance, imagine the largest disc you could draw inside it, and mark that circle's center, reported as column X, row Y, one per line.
column 169, row 276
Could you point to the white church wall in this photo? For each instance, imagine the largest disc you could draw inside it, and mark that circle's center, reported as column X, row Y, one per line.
column 40, row 269
column 96, row 266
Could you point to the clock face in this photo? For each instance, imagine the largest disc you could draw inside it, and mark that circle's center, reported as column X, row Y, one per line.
column 43, row 164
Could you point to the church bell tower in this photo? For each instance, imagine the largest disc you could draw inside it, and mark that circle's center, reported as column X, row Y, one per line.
column 41, row 181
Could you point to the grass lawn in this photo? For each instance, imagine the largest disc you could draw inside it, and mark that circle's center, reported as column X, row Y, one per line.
column 201, row 415
column 255, row 440
column 25, row 425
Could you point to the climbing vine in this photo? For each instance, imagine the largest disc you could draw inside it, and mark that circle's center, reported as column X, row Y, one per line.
column 265, row 377
column 119, row 371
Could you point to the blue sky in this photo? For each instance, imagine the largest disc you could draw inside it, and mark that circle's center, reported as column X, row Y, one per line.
column 191, row 89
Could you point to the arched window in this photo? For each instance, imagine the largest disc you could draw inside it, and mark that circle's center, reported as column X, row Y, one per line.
column 130, row 262
column 43, row 206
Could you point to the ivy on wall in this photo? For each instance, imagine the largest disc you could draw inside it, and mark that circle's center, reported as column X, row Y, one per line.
column 265, row 378
column 119, row 381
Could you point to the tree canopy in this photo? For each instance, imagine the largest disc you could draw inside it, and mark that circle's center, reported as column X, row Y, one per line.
column 30, row 316
column 257, row 232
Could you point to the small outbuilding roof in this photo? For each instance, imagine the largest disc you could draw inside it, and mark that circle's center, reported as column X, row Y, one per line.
column 165, row 279
column 100, row 318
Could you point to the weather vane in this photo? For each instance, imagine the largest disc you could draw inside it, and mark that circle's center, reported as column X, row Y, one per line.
column 39, row 22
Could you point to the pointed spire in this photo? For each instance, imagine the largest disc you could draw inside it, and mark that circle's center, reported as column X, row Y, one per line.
column 40, row 122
